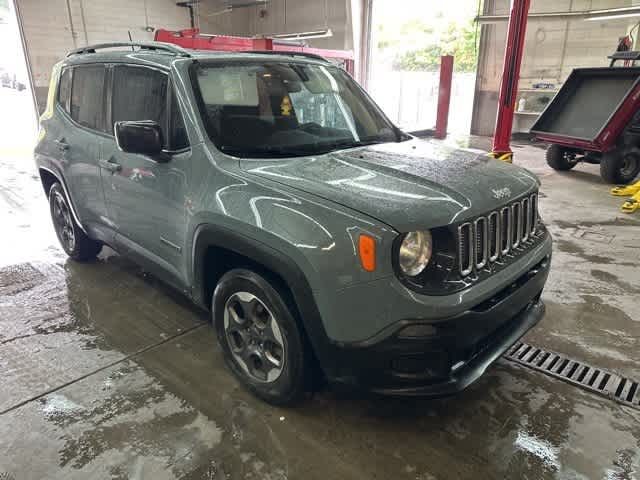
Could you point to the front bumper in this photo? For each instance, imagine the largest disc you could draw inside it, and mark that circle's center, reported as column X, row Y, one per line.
column 436, row 358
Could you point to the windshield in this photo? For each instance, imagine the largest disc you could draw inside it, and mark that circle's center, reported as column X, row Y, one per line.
column 271, row 109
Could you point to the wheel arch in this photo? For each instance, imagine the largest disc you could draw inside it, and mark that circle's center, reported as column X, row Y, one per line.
column 48, row 177
column 217, row 249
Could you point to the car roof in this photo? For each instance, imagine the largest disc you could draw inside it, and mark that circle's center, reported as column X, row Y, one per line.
column 162, row 55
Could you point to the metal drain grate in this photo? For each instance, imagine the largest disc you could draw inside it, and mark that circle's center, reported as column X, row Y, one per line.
column 597, row 380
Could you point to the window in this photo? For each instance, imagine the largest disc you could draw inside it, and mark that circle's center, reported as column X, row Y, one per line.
column 274, row 109
column 139, row 94
column 178, row 138
column 324, row 109
column 64, row 90
column 87, row 96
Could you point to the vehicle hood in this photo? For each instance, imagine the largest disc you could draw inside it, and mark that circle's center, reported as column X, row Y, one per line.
column 408, row 185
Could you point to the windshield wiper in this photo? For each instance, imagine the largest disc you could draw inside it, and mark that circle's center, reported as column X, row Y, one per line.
column 357, row 143
column 267, row 152
column 300, row 151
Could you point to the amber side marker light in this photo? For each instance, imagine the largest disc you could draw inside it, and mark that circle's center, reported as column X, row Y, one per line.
column 367, row 251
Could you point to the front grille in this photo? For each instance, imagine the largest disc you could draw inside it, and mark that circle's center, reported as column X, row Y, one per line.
column 465, row 248
column 494, row 236
column 480, row 232
column 489, row 238
column 516, row 231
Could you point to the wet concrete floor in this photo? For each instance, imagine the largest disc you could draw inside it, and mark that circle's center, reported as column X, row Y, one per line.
column 107, row 374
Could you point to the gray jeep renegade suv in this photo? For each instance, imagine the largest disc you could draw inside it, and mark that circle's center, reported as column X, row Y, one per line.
column 272, row 190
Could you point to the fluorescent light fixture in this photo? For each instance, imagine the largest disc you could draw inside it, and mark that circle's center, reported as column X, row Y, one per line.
column 240, row 4
column 613, row 16
column 231, row 5
column 591, row 15
column 612, row 13
column 219, row 12
column 303, row 35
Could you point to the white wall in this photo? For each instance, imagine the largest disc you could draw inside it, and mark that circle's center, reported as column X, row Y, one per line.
column 54, row 27
column 552, row 49
column 285, row 16
column 212, row 20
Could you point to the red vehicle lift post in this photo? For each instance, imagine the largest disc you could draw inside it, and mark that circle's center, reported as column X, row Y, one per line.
column 509, row 83
column 439, row 131
column 444, row 96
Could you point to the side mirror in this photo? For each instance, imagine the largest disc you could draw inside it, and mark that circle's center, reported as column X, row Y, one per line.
column 143, row 137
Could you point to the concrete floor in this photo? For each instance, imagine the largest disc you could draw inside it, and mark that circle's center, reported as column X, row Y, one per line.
column 107, row 374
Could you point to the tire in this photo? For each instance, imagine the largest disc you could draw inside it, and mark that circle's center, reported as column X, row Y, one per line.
column 620, row 167
column 242, row 303
column 73, row 240
column 560, row 158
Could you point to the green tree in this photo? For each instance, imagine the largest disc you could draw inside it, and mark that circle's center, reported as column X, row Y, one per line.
column 395, row 36
column 4, row 12
column 457, row 40
column 466, row 52
column 424, row 59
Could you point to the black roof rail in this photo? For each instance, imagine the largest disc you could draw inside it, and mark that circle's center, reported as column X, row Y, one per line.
column 151, row 46
column 289, row 53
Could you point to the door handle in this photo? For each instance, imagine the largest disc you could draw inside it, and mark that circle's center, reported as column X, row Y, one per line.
column 62, row 145
column 113, row 167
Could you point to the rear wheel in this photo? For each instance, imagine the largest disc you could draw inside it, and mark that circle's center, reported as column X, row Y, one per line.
column 620, row 167
column 73, row 240
column 561, row 158
column 260, row 338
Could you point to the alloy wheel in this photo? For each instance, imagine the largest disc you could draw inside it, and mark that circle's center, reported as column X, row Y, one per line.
column 254, row 337
column 62, row 222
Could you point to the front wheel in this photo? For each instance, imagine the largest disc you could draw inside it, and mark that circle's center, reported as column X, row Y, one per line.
column 620, row 167
column 260, row 338
column 73, row 240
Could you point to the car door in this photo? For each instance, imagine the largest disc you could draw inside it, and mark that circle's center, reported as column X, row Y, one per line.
column 146, row 197
column 80, row 139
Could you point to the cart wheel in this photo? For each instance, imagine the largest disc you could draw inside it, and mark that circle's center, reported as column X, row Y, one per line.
column 620, row 167
column 561, row 158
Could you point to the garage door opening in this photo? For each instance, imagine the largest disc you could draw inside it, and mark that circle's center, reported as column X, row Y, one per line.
column 407, row 42
column 18, row 122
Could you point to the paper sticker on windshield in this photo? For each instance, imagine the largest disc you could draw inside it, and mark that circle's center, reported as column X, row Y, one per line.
column 285, row 106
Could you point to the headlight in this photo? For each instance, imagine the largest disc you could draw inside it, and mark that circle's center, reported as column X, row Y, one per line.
column 415, row 252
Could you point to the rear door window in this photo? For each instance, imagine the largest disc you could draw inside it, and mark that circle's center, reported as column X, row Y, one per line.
column 139, row 93
column 87, row 96
column 64, row 90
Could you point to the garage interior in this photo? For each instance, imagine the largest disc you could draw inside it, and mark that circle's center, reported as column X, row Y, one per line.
column 109, row 373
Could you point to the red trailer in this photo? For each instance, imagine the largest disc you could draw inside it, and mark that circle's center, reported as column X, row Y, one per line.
column 193, row 39
column 595, row 118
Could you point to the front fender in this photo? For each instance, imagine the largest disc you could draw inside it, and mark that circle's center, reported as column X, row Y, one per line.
column 311, row 243
column 208, row 235
column 289, row 270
